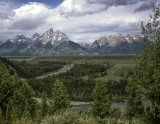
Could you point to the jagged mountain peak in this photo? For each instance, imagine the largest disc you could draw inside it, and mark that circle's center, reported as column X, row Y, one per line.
column 115, row 39
column 55, row 37
column 49, row 44
column 50, row 36
column 36, row 35
column 19, row 38
column 49, row 32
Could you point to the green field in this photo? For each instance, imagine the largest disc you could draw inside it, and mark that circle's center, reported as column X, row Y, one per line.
column 78, row 59
column 122, row 64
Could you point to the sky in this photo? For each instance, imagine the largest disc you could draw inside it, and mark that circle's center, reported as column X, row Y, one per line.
column 80, row 20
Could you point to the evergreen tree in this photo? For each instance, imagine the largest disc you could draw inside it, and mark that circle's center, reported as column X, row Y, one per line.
column 101, row 105
column 135, row 105
column 44, row 106
column 146, row 76
column 1, row 116
column 8, row 84
column 9, row 110
column 30, row 103
column 15, row 95
column 60, row 96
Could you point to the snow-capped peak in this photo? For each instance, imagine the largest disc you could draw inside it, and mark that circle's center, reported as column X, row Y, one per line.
column 115, row 39
column 54, row 37
column 49, row 32
column 19, row 38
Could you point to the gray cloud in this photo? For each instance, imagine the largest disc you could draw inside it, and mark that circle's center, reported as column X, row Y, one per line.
column 112, row 28
column 110, row 2
column 98, row 28
column 27, row 24
column 2, row 4
column 6, row 10
column 147, row 5
column 6, row 15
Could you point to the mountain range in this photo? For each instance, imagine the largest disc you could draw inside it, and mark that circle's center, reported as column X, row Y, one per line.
column 51, row 43
column 117, row 44
column 56, row 43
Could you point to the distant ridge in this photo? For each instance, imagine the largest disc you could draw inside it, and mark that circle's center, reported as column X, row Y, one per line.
column 116, row 44
column 56, row 43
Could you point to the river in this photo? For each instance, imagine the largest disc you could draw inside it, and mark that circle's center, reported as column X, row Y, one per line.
column 62, row 70
column 122, row 106
column 119, row 105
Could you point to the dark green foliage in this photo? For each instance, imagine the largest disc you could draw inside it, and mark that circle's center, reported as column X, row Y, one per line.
column 15, row 96
column 86, row 69
column 30, row 70
column 151, row 57
column 145, row 82
column 8, row 64
column 60, row 96
column 135, row 104
column 115, row 113
column 101, row 104
column 8, row 84
column 77, row 87
column 40, row 85
column 116, row 89
column 44, row 106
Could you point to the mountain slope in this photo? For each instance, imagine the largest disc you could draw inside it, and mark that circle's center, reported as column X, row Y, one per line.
column 51, row 43
column 117, row 44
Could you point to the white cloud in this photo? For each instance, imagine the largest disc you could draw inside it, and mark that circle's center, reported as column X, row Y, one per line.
column 81, row 20
column 79, row 7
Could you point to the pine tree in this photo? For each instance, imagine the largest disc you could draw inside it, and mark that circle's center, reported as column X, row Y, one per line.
column 135, row 105
column 30, row 103
column 44, row 106
column 1, row 116
column 101, row 105
column 146, row 74
column 9, row 110
column 15, row 95
column 60, row 96
column 8, row 84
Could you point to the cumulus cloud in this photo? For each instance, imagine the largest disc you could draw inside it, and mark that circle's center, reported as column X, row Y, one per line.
column 83, row 7
column 79, row 7
column 29, row 16
column 81, row 20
